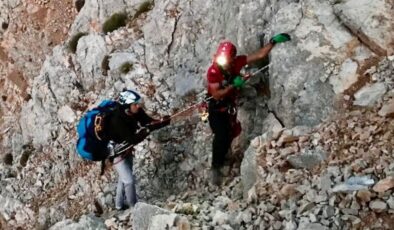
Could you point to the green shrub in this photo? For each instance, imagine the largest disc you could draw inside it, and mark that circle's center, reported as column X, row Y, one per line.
column 4, row 25
column 105, row 65
column 79, row 4
column 27, row 151
column 72, row 45
column 116, row 21
column 8, row 159
column 144, row 7
column 126, row 67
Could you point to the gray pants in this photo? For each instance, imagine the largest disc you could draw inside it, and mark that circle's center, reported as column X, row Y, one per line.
column 125, row 190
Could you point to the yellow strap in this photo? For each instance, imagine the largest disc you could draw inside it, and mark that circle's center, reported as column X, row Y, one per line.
column 98, row 120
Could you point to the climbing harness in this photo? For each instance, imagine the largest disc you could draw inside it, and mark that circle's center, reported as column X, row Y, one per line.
column 231, row 109
column 116, row 151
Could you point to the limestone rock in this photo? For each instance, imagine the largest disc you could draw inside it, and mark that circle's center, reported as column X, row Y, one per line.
column 144, row 214
column 307, row 159
column 370, row 27
column 384, row 185
column 220, row 218
column 387, row 109
column 66, row 114
column 378, row 206
column 85, row 222
column 369, row 94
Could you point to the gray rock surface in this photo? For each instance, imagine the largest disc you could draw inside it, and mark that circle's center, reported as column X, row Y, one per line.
column 370, row 94
column 145, row 213
column 85, row 222
column 372, row 22
column 308, row 158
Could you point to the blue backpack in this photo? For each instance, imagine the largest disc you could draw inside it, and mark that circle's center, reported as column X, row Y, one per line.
column 89, row 145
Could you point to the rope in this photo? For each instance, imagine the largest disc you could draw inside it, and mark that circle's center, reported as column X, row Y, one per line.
column 190, row 108
column 209, row 98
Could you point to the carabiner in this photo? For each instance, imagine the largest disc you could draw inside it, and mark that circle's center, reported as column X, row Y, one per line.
column 232, row 110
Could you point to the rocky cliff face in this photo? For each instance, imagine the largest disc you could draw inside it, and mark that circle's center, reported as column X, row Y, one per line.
column 339, row 65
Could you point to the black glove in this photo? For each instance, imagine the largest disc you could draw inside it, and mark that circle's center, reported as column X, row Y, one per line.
column 144, row 131
column 166, row 120
column 141, row 135
column 158, row 124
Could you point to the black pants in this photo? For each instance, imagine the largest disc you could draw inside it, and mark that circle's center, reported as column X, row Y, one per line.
column 220, row 123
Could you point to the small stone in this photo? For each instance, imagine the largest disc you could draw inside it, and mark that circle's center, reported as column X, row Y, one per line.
column 313, row 217
column 306, row 207
column 349, row 211
column 325, row 183
column 384, row 185
column 356, row 222
column 348, row 217
column 220, row 218
column 277, row 225
column 387, row 109
column 378, row 206
column 312, row 226
column 364, row 195
column 332, row 200
column 247, row 216
column 355, row 205
column 255, row 142
column 287, row 151
column 390, row 202
column 291, row 225
column 286, row 214
column 110, row 222
column 371, row 70
column 289, row 190
column 325, row 223
column 328, row 211
column 308, row 158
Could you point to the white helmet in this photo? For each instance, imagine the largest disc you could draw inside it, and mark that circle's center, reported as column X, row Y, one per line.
column 129, row 97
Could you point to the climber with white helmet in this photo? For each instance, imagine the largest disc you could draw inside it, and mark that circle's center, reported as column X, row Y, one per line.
column 224, row 82
column 128, row 125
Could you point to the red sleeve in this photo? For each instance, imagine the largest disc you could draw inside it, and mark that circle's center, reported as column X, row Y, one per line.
column 214, row 75
column 239, row 63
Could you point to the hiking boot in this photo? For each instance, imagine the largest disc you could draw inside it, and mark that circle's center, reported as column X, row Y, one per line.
column 122, row 208
column 216, row 176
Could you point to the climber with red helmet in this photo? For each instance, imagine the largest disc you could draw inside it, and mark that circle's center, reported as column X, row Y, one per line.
column 224, row 82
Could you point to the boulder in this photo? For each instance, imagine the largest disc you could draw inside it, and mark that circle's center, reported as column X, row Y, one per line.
column 372, row 22
column 370, row 94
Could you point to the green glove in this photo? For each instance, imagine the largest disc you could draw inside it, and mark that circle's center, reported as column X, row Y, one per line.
column 279, row 38
column 238, row 82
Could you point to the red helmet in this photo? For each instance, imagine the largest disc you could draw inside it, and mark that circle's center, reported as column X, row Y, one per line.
column 225, row 52
column 227, row 49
